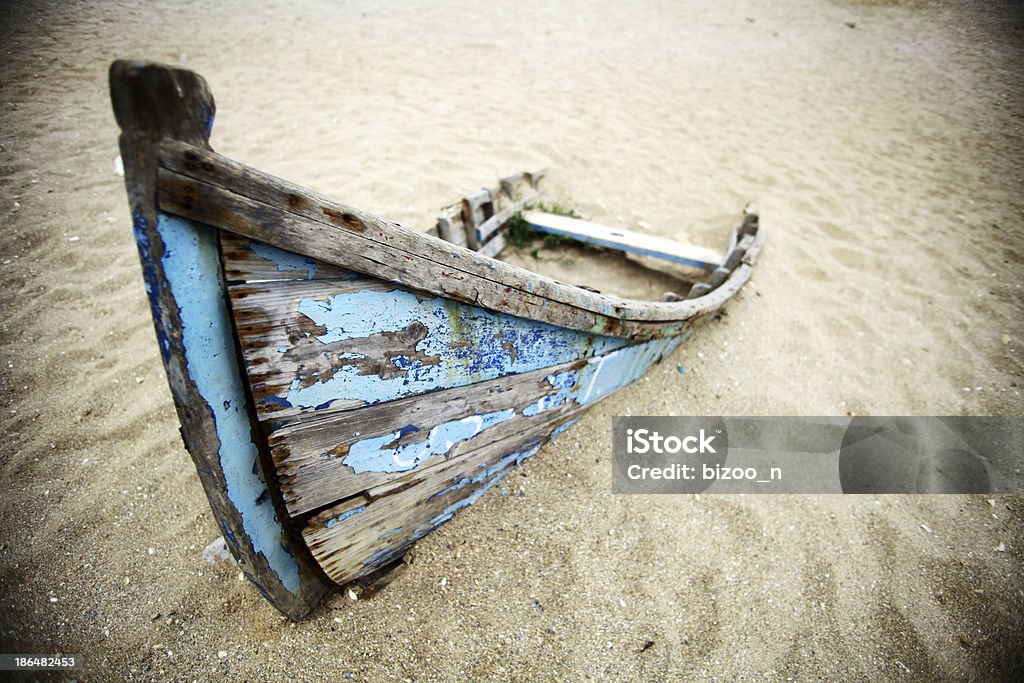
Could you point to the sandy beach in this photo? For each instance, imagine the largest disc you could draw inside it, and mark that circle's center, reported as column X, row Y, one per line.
column 882, row 143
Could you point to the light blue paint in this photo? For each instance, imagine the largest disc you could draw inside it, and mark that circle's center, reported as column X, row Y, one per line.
column 564, row 382
column 601, row 376
column 561, row 428
column 285, row 260
column 191, row 263
column 464, row 481
column 373, row 455
column 467, row 342
column 282, row 349
column 343, row 516
column 389, row 533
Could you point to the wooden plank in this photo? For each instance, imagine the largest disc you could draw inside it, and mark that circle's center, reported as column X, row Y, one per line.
column 477, row 208
column 211, row 188
column 351, row 541
column 450, row 227
column 623, row 240
column 182, row 270
column 485, row 230
column 312, row 457
column 503, row 202
column 248, row 260
column 351, row 250
column 336, row 345
column 494, row 245
column 323, row 460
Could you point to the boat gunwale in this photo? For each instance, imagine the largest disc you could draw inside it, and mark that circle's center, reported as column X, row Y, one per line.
column 200, row 170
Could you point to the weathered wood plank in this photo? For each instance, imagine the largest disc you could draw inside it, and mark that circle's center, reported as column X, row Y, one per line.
column 477, row 208
column 494, row 246
column 335, row 457
column 624, row 240
column 450, row 227
column 481, row 216
column 316, row 465
column 182, row 270
column 351, row 541
column 485, row 230
column 211, row 188
column 335, row 345
column 300, row 234
column 248, row 260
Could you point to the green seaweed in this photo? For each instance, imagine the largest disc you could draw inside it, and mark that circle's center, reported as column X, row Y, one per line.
column 521, row 235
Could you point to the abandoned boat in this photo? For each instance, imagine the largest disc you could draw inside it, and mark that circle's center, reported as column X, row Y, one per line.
column 345, row 384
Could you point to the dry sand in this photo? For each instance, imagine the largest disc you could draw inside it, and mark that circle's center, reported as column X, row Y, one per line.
column 883, row 142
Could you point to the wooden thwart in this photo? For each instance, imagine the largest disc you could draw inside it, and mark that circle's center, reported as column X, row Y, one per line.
column 623, row 240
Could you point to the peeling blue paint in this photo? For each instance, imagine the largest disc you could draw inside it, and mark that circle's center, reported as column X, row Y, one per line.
column 140, row 227
column 374, row 455
column 601, row 376
column 470, row 344
column 454, row 487
column 191, row 263
column 343, row 516
column 562, row 428
column 277, row 401
column 494, row 473
column 285, row 260
column 564, row 382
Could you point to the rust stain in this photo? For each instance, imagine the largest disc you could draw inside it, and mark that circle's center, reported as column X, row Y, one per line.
column 451, row 276
column 345, row 220
column 613, row 326
column 339, row 451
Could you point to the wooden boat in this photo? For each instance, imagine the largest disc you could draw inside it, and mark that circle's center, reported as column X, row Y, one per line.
column 345, row 384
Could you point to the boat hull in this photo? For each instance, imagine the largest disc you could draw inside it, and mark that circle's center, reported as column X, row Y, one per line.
column 346, row 385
